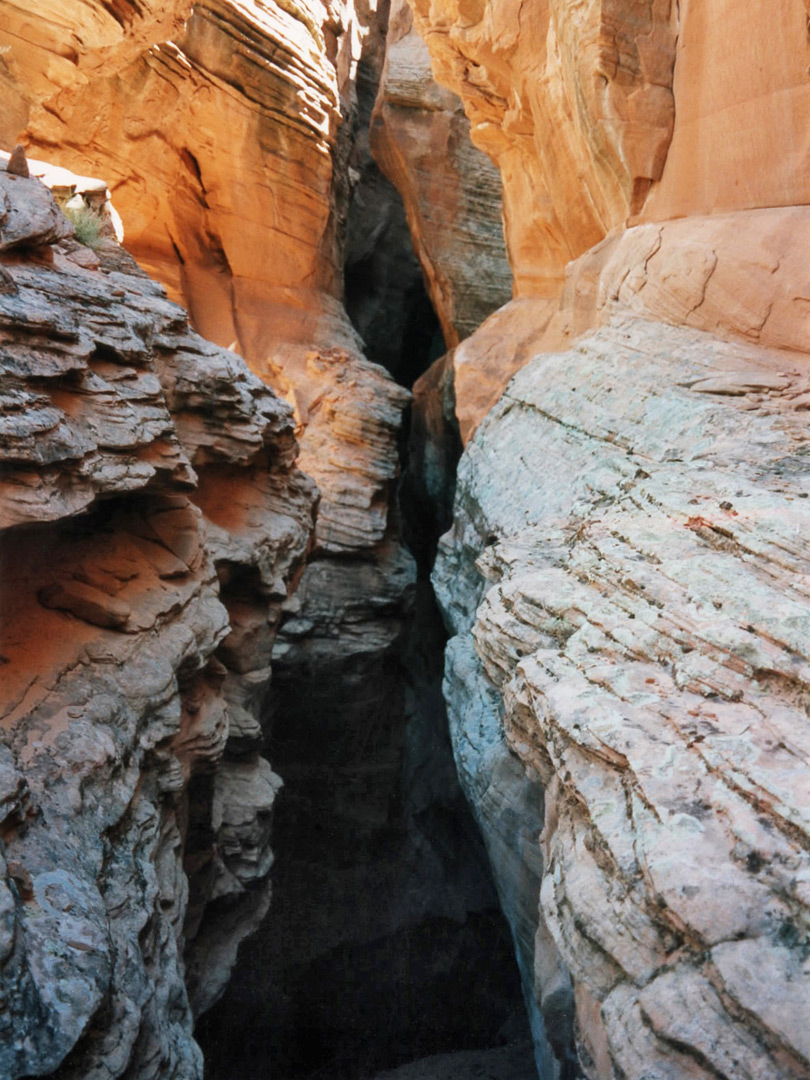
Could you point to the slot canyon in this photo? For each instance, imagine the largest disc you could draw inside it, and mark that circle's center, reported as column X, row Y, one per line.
column 404, row 559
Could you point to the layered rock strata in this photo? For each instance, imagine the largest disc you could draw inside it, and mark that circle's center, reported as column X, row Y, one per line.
column 625, row 580
column 218, row 127
column 740, row 275
column 230, row 170
column 154, row 523
column 215, row 126
column 575, row 105
column 451, row 191
column 623, row 576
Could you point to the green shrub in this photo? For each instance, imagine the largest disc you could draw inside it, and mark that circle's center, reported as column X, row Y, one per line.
column 86, row 224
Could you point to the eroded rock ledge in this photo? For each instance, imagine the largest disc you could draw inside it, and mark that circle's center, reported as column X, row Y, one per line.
column 626, row 577
column 154, row 523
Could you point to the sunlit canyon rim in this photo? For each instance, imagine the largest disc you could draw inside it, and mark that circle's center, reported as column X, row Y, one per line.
column 404, row 515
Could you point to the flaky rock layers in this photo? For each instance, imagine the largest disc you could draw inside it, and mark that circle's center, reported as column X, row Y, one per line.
column 220, row 143
column 625, row 573
column 154, row 520
column 626, row 555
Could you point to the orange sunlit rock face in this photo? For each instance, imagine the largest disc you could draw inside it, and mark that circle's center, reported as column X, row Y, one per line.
column 741, row 275
column 742, row 95
column 213, row 129
column 574, row 102
column 608, row 112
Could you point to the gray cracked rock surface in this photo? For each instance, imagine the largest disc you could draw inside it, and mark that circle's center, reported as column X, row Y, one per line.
column 628, row 558
column 149, row 487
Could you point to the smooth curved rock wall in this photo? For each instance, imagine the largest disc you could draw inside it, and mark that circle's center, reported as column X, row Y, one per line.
column 573, row 102
column 451, row 191
column 216, row 126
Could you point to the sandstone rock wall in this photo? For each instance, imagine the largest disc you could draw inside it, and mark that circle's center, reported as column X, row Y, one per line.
column 154, row 521
column 741, row 276
column 222, row 148
column 214, row 129
column 452, row 193
column 624, row 573
column 609, row 111
column 226, row 158
column 575, row 105
column 626, row 555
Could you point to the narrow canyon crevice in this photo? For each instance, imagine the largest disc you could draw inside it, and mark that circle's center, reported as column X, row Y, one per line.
column 385, row 943
column 382, row 903
column 403, row 563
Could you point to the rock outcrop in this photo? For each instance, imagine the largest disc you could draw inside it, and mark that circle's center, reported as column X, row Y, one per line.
column 452, row 192
column 625, row 577
column 573, row 102
column 214, row 125
column 624, row 573
column 626, row 558
column 229, row 169
column 154, row 521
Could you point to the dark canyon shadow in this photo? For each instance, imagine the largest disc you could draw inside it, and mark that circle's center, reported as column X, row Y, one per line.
column 384, row 942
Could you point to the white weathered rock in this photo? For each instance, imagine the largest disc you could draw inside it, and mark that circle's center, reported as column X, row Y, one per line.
column 627, row 554
column 28, row 215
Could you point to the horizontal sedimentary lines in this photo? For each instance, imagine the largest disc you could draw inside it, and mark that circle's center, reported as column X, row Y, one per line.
column 351, row 412
column 94, row 366
column 159, row 522
column 646, row 619
column 576, row 105
column 271, row 56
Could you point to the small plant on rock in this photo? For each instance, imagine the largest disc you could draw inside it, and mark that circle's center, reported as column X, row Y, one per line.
column 86, row 224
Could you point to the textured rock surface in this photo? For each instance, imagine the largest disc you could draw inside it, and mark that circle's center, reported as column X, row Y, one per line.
column 574, row 103
column 606, row 110
column 624, row 573
column 627, row 557
column 214, row 129
column 742, row 276
column 154, row 520
column 742, row 96
column 237, row 199
column 452, row 193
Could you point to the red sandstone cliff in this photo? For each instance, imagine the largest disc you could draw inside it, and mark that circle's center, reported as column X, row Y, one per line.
column 625, row 573
column 625, row 577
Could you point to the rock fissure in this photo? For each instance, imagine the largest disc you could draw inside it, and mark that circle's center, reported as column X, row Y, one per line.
column 207, row 581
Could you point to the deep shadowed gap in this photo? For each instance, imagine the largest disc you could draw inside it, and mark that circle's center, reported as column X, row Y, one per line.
column 384, row 942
